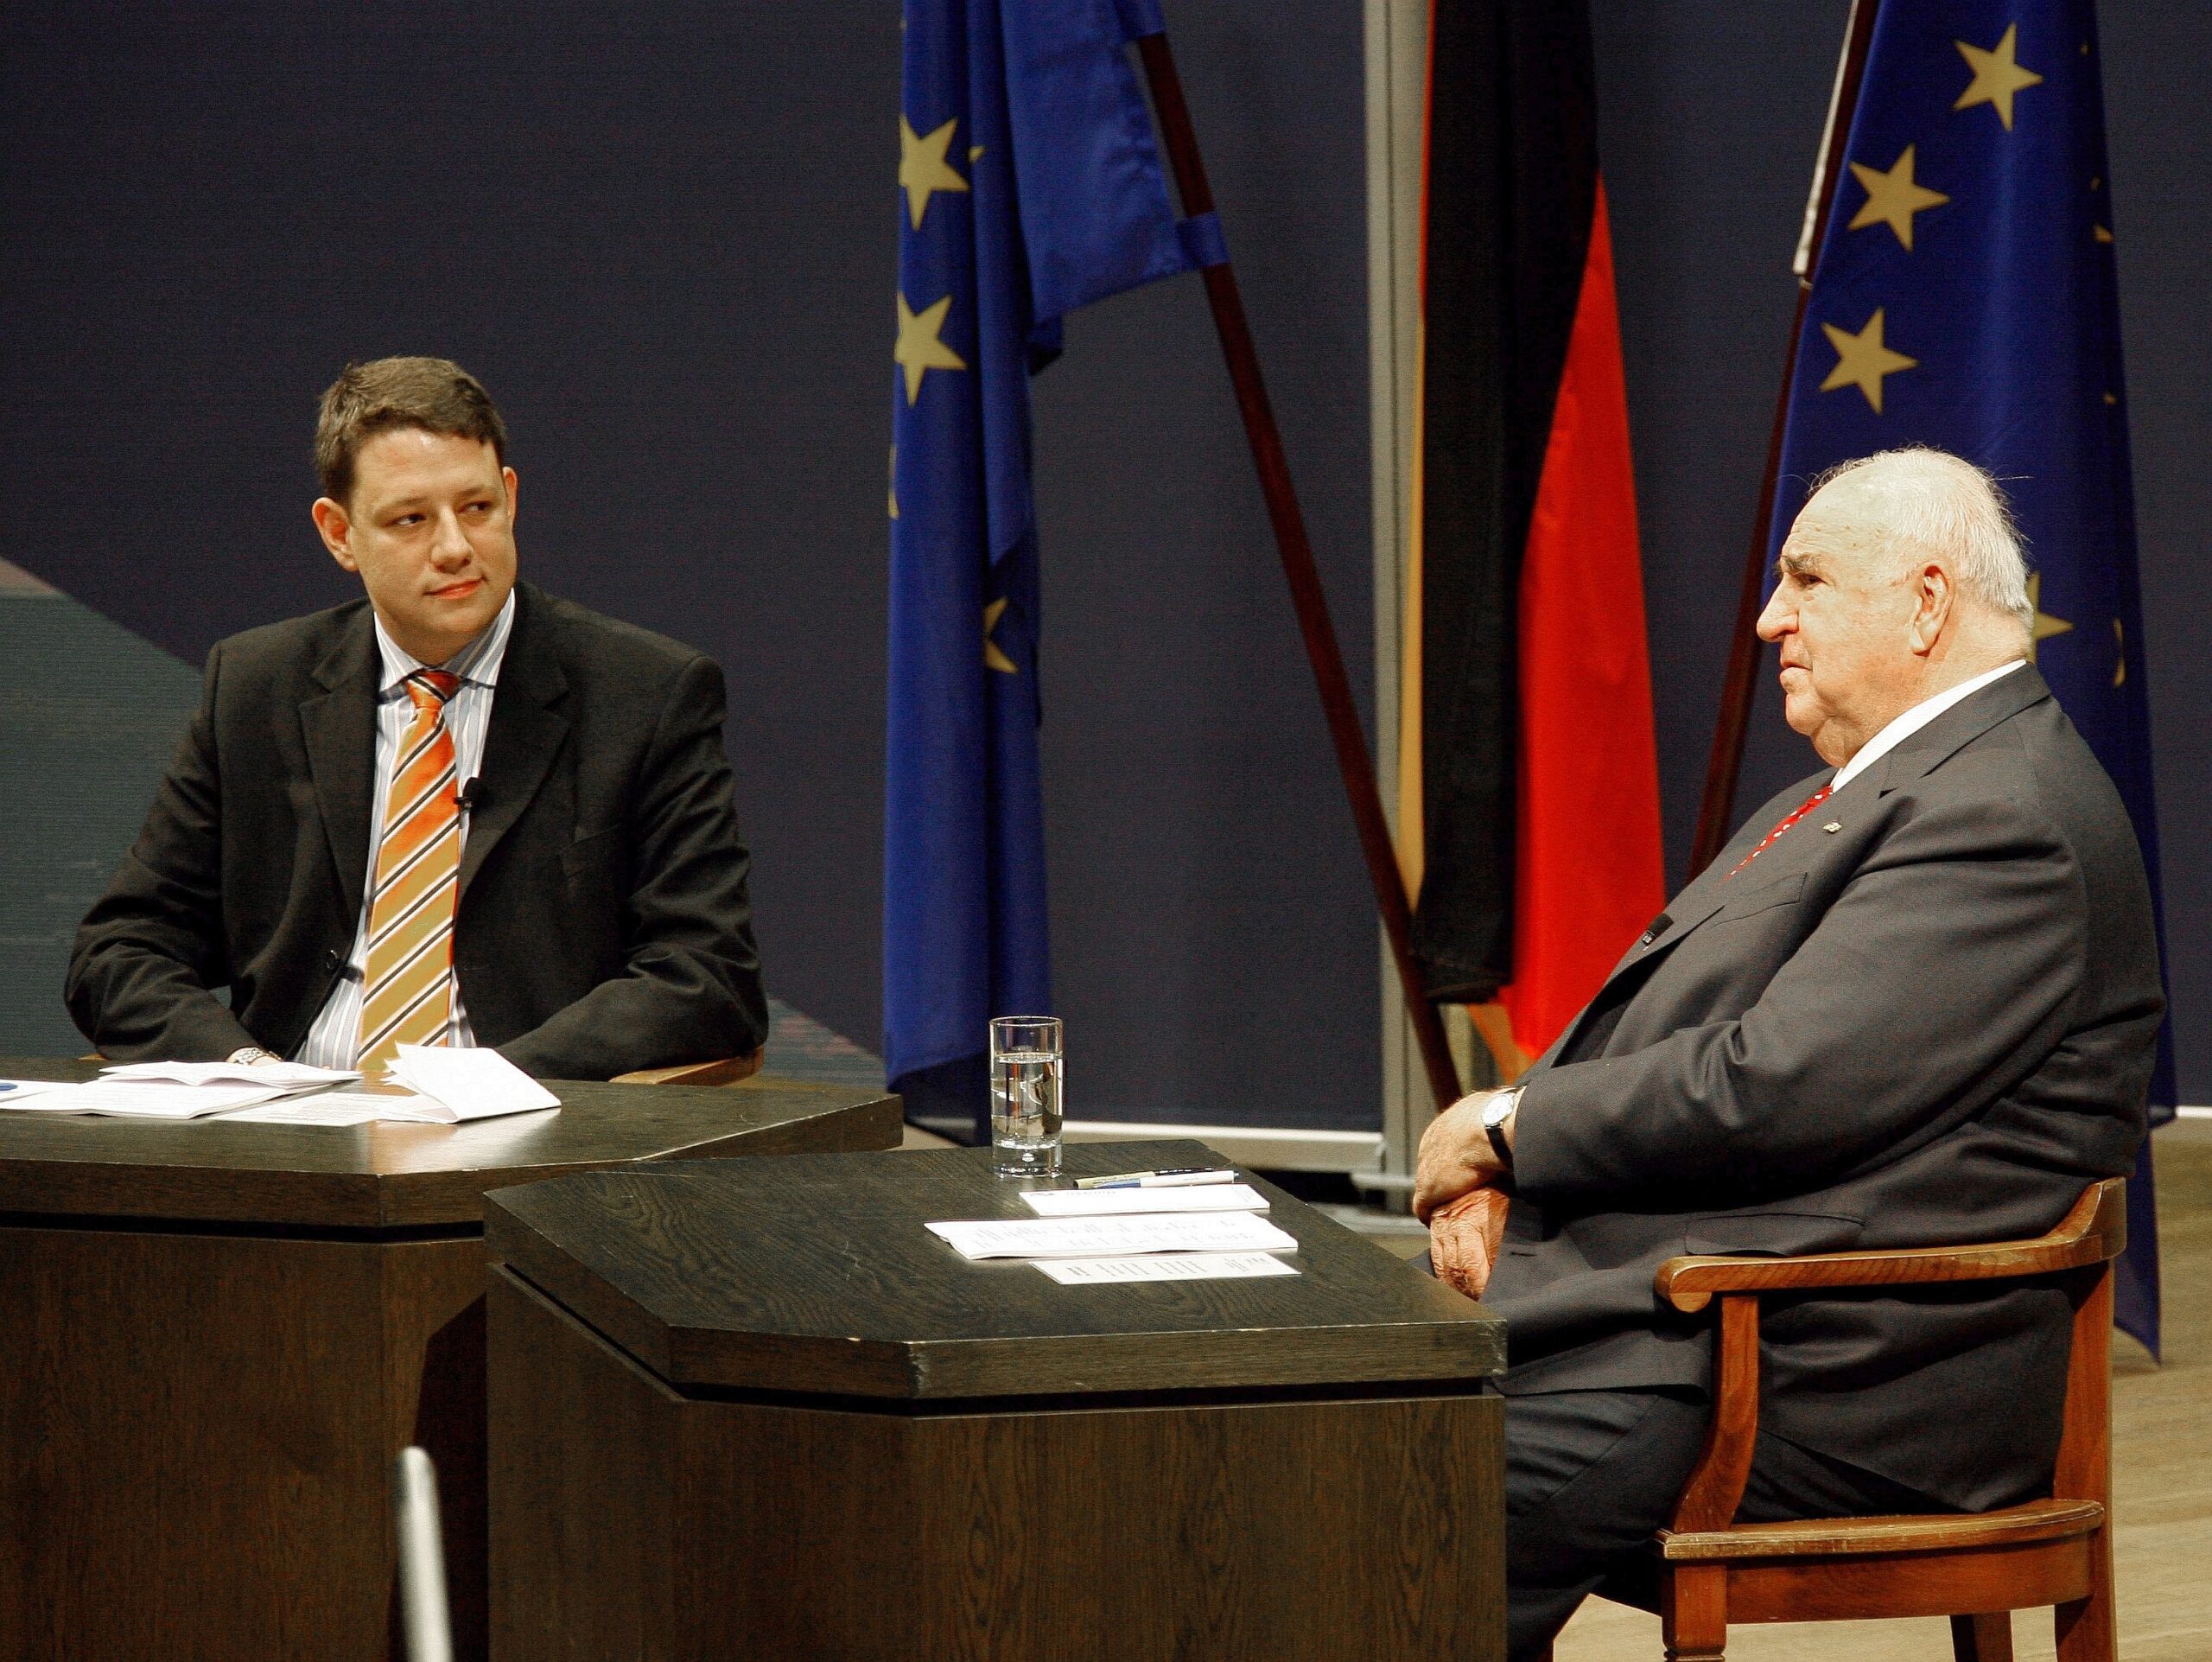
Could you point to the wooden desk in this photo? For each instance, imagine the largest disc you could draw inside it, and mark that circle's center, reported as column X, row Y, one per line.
column 214, row 1338
column 754, row 1409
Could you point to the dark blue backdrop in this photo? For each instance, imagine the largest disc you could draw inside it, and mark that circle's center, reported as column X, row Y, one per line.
column 665, row 238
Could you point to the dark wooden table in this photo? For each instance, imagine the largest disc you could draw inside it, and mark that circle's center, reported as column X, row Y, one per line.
column 214, row 1339
column 755, row 1409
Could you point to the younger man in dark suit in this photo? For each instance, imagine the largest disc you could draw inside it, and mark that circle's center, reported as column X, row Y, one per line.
column 457, row 812
column 1913, row 1003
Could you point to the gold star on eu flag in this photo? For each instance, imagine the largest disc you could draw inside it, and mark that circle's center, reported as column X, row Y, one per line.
column 1893, row 198
column 2046, row 625
column 994, row 658
column 918, row 350
column 1862, row 359
column 923, row 169
column 1996, row 75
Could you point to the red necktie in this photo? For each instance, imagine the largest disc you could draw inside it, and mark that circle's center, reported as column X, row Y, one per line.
column 1767, row 842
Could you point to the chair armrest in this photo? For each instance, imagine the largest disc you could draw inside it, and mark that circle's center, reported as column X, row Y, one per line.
column 726, row 1070
column 2093, row 1232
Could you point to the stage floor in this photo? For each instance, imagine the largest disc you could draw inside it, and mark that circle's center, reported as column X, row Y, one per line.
column 2162, row 1483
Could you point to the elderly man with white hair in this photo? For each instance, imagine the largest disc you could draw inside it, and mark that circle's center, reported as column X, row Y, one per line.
column 1913, row 1003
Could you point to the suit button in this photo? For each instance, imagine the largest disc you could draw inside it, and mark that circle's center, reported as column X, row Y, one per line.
column 331, row 960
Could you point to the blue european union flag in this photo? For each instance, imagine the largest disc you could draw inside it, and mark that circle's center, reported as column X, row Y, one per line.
column 1965, row 296
column 1030, row 185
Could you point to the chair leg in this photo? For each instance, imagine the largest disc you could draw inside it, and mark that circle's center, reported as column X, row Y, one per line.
column 1982, row 1639
column 1694, row 1614
column 2087, row 1630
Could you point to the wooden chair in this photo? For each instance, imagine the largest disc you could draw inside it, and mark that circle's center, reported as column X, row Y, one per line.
column 1975, row 1566
column 726, row 1070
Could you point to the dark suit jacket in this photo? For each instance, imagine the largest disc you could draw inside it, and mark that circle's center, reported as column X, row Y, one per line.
column 1932, row 1024
column 603, row 923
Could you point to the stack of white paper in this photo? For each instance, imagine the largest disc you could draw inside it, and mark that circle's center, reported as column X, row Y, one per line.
column 168, row 1089
column 1105, row 1202
column 23, row 1093
column 1101, row 1238
column 1092, row 1237
column 332, row 1108
column 145, row 1098
column 178, row 1090
column 460, row 1084
column 296, row 1076
column 446, row 1087
column 1165, row 1266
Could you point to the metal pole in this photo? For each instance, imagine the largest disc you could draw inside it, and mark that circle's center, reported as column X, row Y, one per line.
column 1307, row 595
column 1724, row 765
column 424, row 1619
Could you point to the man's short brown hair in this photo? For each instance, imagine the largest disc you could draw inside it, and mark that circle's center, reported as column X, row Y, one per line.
column 435, row 394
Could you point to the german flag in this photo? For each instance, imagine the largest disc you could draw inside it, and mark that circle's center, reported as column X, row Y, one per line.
column 1529, row 787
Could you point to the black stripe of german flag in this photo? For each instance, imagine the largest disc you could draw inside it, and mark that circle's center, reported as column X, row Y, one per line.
column 1519, row 503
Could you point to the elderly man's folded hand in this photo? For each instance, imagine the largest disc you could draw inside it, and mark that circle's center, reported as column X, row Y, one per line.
column 1464, row 1236
column 1455, row 1155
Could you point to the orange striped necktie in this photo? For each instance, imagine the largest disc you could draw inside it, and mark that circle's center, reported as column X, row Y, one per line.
column 1767, row 842
column 407, row 986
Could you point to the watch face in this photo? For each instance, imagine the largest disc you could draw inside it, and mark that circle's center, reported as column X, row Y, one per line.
column 1496, row 1111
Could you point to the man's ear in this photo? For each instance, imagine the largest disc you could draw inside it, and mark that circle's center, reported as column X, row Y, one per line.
column 508, row 475
column 336, row 526
column 1931, row 608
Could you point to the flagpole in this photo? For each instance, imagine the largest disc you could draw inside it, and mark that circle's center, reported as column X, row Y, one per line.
column 1724, row 766
column 1307, row 595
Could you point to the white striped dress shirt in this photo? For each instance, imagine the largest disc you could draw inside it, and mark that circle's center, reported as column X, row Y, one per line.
column 335, row 1036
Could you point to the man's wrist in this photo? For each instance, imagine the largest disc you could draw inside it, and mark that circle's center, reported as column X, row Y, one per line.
column 1497, row 1125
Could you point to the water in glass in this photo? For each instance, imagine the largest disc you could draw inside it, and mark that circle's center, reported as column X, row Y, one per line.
column 1026, row 1111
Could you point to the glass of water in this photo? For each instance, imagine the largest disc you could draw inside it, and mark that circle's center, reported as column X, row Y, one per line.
column 1025, row 1096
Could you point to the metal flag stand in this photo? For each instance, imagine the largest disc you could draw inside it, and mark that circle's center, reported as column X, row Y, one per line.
column 426, row 1627
column 1717, row 806
column 1307, row 597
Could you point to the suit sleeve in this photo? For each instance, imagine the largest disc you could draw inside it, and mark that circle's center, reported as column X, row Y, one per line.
column 151, row 949
column 1941, row 972
column 691, row 986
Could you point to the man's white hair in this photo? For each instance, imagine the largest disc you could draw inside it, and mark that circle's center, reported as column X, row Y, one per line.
column 1929, row 501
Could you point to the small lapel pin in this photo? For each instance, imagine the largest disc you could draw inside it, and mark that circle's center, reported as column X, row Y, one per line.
column 1833, row 827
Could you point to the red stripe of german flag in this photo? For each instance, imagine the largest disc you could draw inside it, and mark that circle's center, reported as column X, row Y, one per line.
column 1529, row 796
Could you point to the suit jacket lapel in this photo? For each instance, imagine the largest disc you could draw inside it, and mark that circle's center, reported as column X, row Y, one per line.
column 1689, row 909
column 525, row 734
column 1684, row 913
column 1961, row 725
column 1708, row 893
column 339, row 727
column 1918, row 755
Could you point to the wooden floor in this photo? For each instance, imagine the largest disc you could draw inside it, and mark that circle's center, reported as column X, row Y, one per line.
column 2162, row 1484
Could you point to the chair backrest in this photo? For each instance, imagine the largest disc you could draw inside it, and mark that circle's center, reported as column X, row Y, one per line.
column 425, row 1624
column 726, row 1070
column 2084, row 1469
column 2093, row 1232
